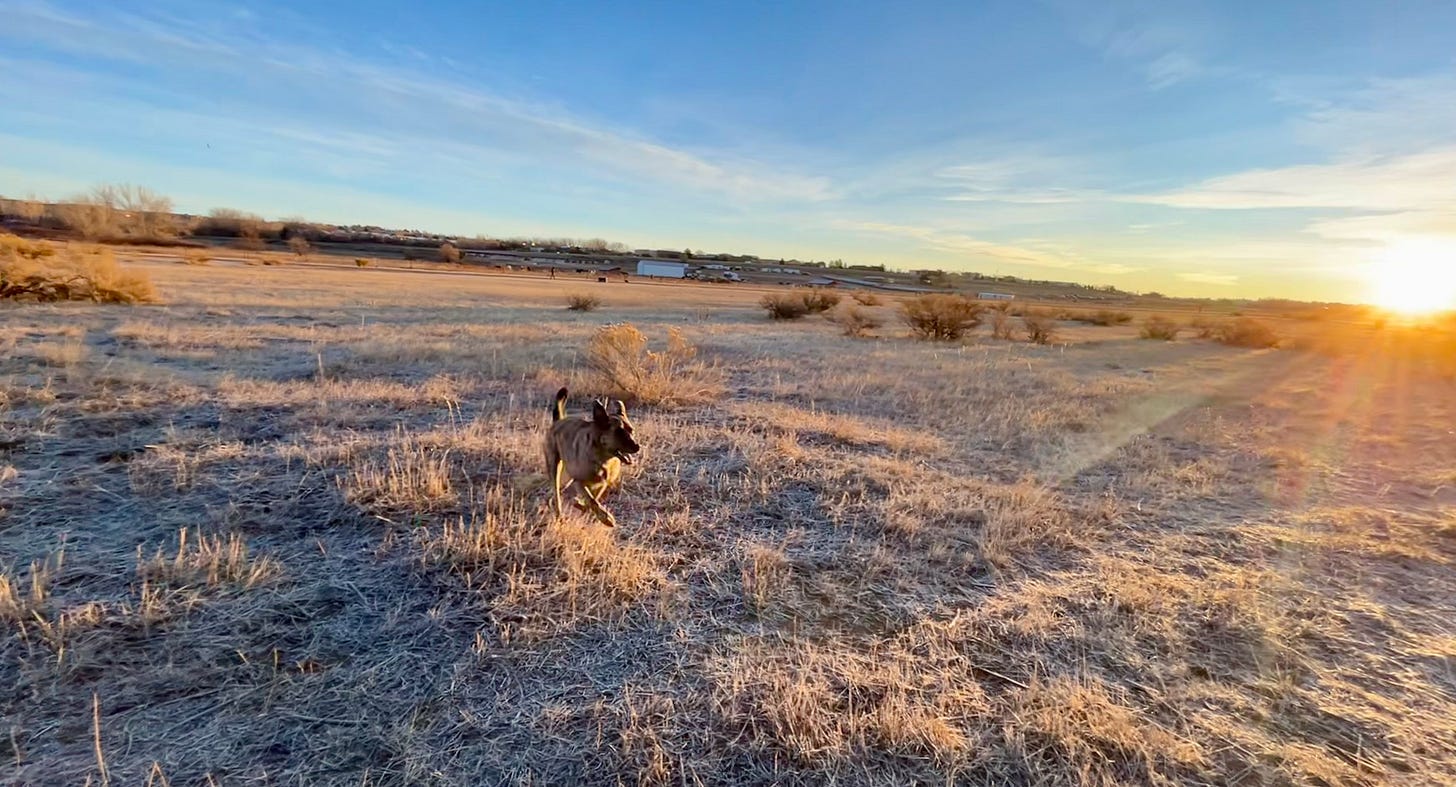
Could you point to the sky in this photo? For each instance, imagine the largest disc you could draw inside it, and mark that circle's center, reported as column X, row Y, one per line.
column 1221, row 149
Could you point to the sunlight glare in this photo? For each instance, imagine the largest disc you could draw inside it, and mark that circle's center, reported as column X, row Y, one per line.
column 1415, row 276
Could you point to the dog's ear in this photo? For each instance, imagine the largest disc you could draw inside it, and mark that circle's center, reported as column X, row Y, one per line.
column 599, row 412
column 618, row 408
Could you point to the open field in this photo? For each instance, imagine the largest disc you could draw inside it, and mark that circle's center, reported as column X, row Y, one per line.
column 286, row 528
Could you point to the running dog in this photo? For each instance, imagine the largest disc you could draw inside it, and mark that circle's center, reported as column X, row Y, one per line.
column 590, row 452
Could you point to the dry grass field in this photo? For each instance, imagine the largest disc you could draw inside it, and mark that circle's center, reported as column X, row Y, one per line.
column 286, row 526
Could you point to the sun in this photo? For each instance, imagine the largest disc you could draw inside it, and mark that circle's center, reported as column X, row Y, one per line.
column 1416, row 276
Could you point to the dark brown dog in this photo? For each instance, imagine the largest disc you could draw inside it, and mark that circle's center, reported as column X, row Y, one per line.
column 590, row 451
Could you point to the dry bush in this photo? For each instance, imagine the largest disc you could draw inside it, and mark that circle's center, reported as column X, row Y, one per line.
column 818, row 300
column 784, row 306
column 119, row 211
column 16, row 246
column 75, row 275
column 360, row 262
column 206, row 561
column 1002, row 325
column 1041, row 326
column 582, row 302
column 449, row 254
column 856, row 321
column 1203, row 327
column 941, row 317
column 1159, row 327
column 1246, row 332
column 299, row 245
column 866, row 298
column 618, row 355
column 1103, row 317
column 196, row 257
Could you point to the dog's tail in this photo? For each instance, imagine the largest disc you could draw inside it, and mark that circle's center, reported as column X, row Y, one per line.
column 558, row 406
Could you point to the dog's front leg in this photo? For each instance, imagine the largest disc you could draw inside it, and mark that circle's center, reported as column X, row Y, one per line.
column 603, row 515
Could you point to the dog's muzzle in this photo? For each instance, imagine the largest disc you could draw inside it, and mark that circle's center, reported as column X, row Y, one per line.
column 625, row 457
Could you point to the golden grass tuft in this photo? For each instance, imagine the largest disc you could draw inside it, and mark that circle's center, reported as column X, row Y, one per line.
column 538, row 574
column 412, row 477
column 200, row 560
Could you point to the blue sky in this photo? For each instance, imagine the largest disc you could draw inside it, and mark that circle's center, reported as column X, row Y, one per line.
column 1232, row 148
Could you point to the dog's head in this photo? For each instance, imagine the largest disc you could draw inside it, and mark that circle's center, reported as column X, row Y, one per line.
column 614, row 431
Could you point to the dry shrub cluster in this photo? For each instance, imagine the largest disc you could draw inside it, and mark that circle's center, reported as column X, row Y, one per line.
column 627, row 369
column 784, row 306
column 1203, row 327
column 819, row 300
column 792, row 306
column 1246, row 332
column 1160, row 328
column 1041, row 326
column 864, row 298
column 941, row 317
column 1002, row 324
column 73, row 275
column 1103, row 317
column 582, row 302
column 856, row 321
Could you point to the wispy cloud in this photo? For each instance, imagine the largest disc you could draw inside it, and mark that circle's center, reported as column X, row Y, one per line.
column 1156, row 38
column 1216, row 279
column 1058, row 256
column 408, row 109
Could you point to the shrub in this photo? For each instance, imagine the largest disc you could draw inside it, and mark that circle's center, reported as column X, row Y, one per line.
column 818, row 301
column 867, row 299
column 14, row 245
column 360, row 262
column 582, row 302
column 448, row 253
column 1041, row 326
column 627, row 369
column 298, row 245
column 76, row 275
column 1204, row 327
column 940, row 317
column 1002, row 326
column 196, row 257
column 1246, row 332
column 1103, row 317
column 786, row 306
column 856, row 321
column 1159, row 327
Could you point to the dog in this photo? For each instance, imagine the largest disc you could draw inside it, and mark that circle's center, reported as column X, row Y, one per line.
column 590, row 452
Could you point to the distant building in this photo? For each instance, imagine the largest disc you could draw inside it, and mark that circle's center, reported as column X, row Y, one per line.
column 995, row 296
column 660, row 269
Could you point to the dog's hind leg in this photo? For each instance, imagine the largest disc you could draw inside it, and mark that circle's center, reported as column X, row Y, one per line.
column 556, row 486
